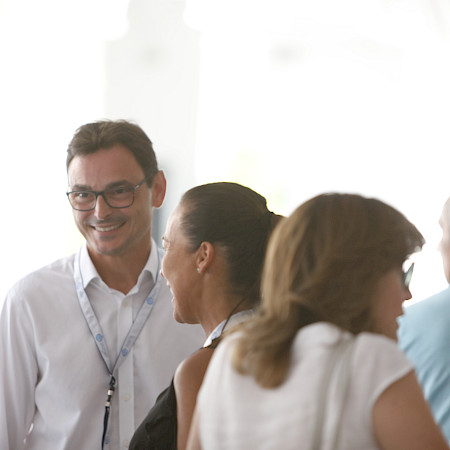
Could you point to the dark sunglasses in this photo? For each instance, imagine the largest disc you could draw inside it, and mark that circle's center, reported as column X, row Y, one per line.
column 407, row 275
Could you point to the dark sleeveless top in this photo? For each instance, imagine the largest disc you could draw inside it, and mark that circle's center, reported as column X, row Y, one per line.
column 158, row 431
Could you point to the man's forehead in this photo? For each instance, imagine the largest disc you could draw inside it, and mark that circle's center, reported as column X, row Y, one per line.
column 105, row 167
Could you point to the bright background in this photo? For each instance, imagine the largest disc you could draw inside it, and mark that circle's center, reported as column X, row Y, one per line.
column 290, row 97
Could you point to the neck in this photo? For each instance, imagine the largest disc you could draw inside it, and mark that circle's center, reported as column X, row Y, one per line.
column 213, row 318
column 120, row 272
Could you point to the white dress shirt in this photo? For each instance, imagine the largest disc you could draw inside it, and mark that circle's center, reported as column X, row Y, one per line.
column 53, row 380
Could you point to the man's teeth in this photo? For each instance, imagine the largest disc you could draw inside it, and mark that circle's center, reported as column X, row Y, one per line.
column 110, row 228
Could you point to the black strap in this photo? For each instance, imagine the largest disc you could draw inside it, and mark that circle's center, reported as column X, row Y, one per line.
column 111, row 390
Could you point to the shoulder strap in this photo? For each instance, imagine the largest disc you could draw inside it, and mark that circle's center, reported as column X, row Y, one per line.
column 342, row 352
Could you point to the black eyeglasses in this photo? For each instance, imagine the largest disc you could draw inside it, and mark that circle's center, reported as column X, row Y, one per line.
column 407, row 275
column 118, row 197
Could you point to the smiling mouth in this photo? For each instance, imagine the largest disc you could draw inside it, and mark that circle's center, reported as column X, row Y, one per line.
column 168, row 285
column 106, row 228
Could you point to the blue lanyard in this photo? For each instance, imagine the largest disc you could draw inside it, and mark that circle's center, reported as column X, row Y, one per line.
column 97, row 334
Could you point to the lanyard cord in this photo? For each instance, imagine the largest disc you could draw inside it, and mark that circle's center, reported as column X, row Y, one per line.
column 216, row 335
column 111, row 390
column 130, row 339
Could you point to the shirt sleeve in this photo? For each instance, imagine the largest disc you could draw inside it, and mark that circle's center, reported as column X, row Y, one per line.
column 18, row 372
column 379, row 364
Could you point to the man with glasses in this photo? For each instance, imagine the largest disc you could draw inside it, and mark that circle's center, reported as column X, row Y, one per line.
column 424, row 335
column 88, row 342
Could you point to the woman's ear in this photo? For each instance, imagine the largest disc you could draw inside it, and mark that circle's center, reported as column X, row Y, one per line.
column 205, row 256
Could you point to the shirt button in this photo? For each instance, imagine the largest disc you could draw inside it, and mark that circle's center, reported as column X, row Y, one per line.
column 125, row 397
column 126, row 444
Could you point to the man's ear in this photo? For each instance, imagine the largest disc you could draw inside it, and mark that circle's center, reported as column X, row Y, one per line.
column 205, row 256
column 158, row 189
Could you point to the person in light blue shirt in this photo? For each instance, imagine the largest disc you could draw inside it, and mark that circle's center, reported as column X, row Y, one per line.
column 424, row 335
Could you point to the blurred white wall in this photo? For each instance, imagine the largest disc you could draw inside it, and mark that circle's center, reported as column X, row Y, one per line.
column 290, row 97
column 301, row 97
column 65, row 64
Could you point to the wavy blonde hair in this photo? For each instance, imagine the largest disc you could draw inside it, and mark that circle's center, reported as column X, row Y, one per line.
column 322, row 264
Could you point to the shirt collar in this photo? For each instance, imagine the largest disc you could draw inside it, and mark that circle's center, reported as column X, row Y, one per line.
column 234, row 319
column 89, row 272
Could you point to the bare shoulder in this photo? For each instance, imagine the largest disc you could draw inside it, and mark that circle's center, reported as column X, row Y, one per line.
column 193, row 368
column 187, row 381
column 402, row 418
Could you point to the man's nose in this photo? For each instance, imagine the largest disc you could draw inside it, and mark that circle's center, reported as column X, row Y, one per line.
column 102, row 209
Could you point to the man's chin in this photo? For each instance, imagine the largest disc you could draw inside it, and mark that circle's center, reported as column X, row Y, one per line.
column 106, row 250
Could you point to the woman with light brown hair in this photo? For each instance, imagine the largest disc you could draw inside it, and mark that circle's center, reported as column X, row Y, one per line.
column 318, row 367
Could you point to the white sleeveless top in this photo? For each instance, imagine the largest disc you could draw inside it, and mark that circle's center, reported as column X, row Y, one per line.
column 236, row 413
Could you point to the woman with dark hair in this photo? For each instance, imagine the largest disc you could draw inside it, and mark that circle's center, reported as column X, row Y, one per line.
column 318, row 367
column 215, row 243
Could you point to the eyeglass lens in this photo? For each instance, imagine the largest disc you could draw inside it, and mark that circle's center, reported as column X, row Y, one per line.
column 114, row 198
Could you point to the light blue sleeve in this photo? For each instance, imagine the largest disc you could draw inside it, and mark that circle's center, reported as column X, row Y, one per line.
column 424, row 335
